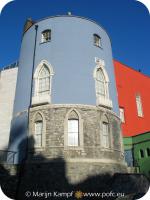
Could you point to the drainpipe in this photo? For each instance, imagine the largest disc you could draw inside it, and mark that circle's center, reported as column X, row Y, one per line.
column 25, row 158
column 31, row 91
column 36, row 30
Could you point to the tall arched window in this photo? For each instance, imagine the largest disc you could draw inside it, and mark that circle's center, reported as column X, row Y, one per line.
column 101, row 84
column 38, row 130
column 105, row 133
column 44, row 81
column 73, row 129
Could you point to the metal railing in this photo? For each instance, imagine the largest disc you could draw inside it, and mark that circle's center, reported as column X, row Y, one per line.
column 10, row 66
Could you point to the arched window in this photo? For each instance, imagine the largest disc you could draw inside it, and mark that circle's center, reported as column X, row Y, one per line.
column 141, row 153
column 44, row 81
column 148, row 152
column 73, row 129
column 46, row 35
column 101, row 84
column 105, row 133
column 38, row 130
column 97, row 40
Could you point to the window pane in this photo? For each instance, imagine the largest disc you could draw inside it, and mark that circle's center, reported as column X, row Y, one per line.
column 148, row 151
column 38, row 128
column 105, row 141
column 100, row 83
column 141, row 153
column 44, row 81
column 101, row 88
column 105, row 135
column 100, row 75
column 73, row 132
column 44, row 72
column 122, row 115
column 38, row 133
column 139, row 106
column 73, row 140
column 38, row 140
column 97, row 40
column 46, row 36
column 105, row 129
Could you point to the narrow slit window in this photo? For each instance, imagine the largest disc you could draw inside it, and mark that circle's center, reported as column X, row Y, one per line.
column 101, row 90
column 105, row 135
column 122, row 117
column 38, row 133
column 139, row 106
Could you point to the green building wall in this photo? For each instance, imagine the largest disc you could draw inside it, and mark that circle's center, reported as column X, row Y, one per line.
column 134, row 148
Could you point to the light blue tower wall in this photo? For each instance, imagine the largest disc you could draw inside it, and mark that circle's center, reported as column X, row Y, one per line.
column 71, row 53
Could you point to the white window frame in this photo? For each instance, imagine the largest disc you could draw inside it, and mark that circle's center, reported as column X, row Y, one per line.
column 80, row 130
column 97, row 40
column 141, row 153
column 101, row 83
column 122, row 115
column 102, row 100
column 36, row 97
column 46, row 36
column 105, row 135
column 37, row 134
column 37, row 117
column 139, row 106
column 45, row 81
column 106, row 138
column 148, row 152
column 73, row 132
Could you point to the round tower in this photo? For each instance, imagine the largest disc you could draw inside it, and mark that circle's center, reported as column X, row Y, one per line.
column 66, row 98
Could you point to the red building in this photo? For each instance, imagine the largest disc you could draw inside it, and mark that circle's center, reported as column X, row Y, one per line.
column 134, row 99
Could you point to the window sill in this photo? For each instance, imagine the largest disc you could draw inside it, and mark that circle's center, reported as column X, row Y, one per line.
column 106, row 149
column 76, row 148
column 45, row 42
column 41, row 99
column 104, row 102
column 98, row 46
column 36, row 149
column 140, row 116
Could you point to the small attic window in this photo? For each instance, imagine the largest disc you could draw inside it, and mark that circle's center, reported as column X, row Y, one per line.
column 97, row 40
column 46, row 36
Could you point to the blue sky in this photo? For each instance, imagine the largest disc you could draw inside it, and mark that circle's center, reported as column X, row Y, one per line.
column 126, row 21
